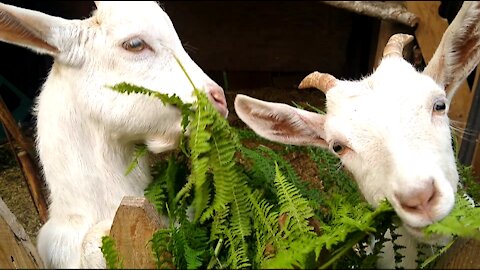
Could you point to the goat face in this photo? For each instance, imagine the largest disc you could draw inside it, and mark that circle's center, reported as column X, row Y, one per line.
column 133, row 42
column 137, row 42
column 391, row 129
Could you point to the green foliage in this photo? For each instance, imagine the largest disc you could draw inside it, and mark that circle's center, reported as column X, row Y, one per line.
column 110, row 253
column 470, row 185
column 463, row 221
column 250, row 208
column 140, row 151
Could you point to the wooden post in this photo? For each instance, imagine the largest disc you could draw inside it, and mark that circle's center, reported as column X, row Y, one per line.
column 429, row 32
column 16, row 250
column 24, row 157
column 133, row 226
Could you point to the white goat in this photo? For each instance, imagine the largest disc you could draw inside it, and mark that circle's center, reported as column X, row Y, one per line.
column 86, row 131
column 390, row 129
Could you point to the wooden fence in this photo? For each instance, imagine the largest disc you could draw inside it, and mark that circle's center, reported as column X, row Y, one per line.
column 136, row 219
column 134, row 224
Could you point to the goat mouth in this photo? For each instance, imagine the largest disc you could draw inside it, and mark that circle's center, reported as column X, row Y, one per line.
column 421, row 236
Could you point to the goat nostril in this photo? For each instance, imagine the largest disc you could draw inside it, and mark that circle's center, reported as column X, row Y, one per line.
column 217, row 97
column 420, row 201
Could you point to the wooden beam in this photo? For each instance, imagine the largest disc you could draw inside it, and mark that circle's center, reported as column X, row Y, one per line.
column 390, row 11
column 16, row 250
column 133, row 226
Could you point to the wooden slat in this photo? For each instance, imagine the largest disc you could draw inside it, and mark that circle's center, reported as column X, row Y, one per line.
column 16, row 250
column 133, row 226
column 462, row 255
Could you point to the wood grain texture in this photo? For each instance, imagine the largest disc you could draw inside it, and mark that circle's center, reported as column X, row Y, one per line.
column 428, row 34
column 463, row 254
column 16, row 250
column 133, row 226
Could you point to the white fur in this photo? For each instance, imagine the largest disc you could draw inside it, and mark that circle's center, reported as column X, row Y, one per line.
column 396, row 145
column 86, row 131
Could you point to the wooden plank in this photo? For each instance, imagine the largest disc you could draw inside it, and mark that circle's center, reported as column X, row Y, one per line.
column 428, row 34
column 16, row 250
column 462, row 255
column 133, row 226
column 389, row 11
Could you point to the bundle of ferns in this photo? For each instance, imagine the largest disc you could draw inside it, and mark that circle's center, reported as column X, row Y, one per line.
column 231, row 206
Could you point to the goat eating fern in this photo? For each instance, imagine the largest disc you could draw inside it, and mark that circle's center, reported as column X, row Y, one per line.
column 250, row 208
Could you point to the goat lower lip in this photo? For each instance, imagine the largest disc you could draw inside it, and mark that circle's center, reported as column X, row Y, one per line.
column 223, row 111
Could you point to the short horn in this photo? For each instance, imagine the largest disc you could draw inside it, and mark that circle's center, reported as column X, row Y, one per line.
column 395, row 45
column 321, row 81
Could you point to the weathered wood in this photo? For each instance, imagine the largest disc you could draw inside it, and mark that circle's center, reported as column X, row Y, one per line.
column 463, row 254
column 429, row 32
column 16, row 250
column 30, row 172
column 390, row 11
column 133, row 226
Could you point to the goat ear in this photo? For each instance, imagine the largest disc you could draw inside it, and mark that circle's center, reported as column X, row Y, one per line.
column 31, row 29
column 459, row 50
column 280, row 122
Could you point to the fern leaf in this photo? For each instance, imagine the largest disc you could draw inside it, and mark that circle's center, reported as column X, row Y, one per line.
column 140, row 151
column 110, row 253
column 293, row 205
column 463, row 220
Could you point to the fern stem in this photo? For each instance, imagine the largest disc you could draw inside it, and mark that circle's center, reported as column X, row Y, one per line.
column 435, row 256
column 184, row 71
column 345, row 248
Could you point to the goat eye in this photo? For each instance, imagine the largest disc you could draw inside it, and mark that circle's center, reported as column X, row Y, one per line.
column 439, row 106
column 134, row 45
column 338, row 148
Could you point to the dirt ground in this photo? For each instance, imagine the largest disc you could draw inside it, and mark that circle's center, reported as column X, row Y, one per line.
column 14, row 191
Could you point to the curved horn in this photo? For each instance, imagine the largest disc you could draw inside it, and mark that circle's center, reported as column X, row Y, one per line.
column 321, row 81
column 395, row 45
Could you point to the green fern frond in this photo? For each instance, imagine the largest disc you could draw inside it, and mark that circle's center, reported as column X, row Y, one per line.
column 237, row 252
column 174, row 100
column 161, row 247
column 140, row 151
column 291, row 203
column 300, row 254
column 463, row 221
column 110, row 253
